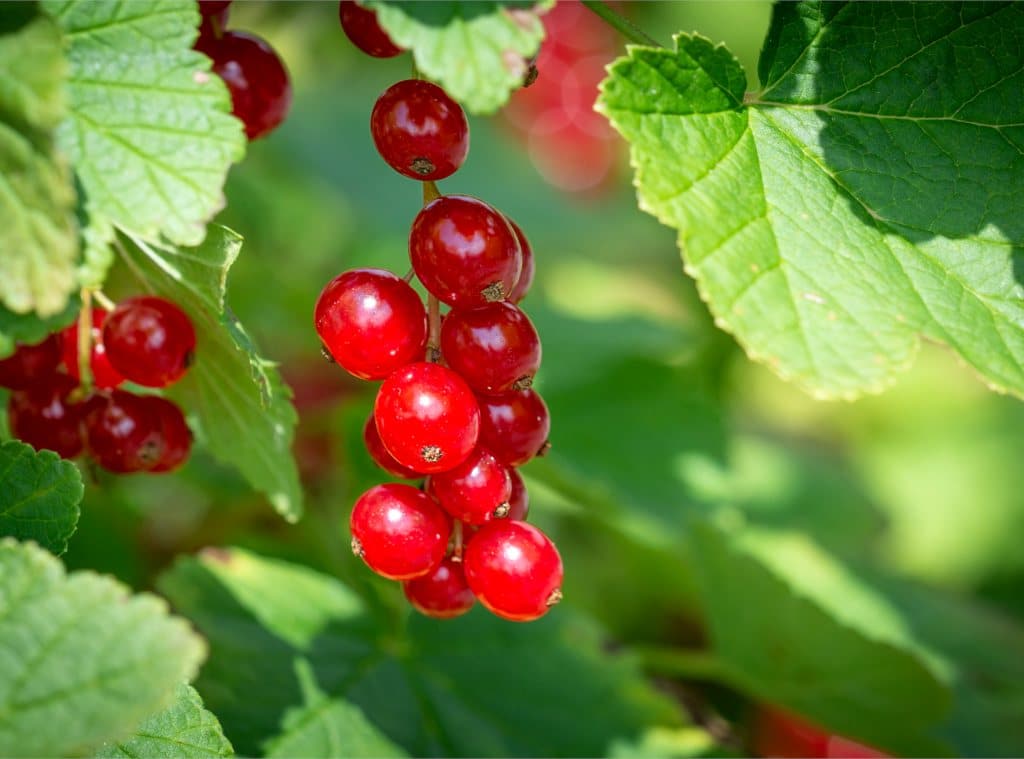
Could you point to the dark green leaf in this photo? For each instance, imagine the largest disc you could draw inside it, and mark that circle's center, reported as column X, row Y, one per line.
column 39, row 496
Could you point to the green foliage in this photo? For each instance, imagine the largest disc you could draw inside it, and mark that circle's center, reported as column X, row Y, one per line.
column 39, row 496
column 29, row 328
column 838, row 215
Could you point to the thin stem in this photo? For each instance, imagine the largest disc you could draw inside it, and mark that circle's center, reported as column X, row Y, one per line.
column 622, row 25
column 103, row 300
column 430, row 192
column 85, row 342
column 433, row 329
column 457, row 543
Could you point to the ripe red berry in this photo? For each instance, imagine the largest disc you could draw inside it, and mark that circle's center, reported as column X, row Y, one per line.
column 514, row 426
column 149, row 340
column 372, row 322
column 261, row 93
column 177, row 438
column 399, row 531
column 420, row 131
column 519, row 500
column 45, row 418
column 781, row 733
column 522, row 286
column 464, row 251
column 30, row 363
column 495, row 347
column 213, row 16
column 427, row 417
column 124, row 432
column 362, row 27
column 380, row 454
column 442, row 594
column 104, row 375
column 475, row 491
column 514, row 569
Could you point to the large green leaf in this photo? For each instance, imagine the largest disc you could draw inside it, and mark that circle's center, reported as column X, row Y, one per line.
column 237, row 398
column 39, row 496
column 475, row 686
column 83, row 661
column 184, row 730
column 867, row 196
column 477, row 51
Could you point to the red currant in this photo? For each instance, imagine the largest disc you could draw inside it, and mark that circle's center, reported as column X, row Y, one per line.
column 443, row 593
column 149, row 340
column 213, row 17
column 399, row 531
column 514, row 426
column 261, row 93
column 464, row 251
column 519, row 500
column 529, row 265
column 362, row 27
column 372, row 322
column 177, row 438
column 514, row 569
column 475, row 491
column 420, row 131
column 124, row 432
column 45, row 418
column 427, row 417
column 380, row 454
column 104, row 375
column 30, row 363
column 495, row 347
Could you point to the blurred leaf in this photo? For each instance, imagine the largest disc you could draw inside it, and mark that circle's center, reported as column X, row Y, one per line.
column 477, row 51
column 474, row 686
column 237, row 397
column 39, row 496
column 29, row 328
column 840, row 214
column 184, row 729
column 663, row 743
column 83, row 661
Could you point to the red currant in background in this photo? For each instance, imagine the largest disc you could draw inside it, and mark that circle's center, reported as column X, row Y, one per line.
column 213, row 17
column 519, row 500
column 514, row 426
column 362, row 27
column 427, row 417
column 399, row 531
column 124, row 432
column 495, row 348
column 419, row 131
column 475, row 491
column 149, row 340
column 372, row 322
column 380, row 454
column 30, row 363
column 514, row 569
column 45, row 418
column 177, row 438
column 522, row 285
column 778, row 733
column 442, row 594
column 464, row 251
column 104, row 376
column 261, row 93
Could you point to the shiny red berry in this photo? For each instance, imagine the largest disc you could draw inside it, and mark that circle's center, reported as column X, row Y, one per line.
column 420, row 131
column 261, row 93
column 177, row 438
column 44, row 417
column 514, row 569
column 104, row 376
column 464, row 251
column 362, row 27
column 372, row 322
column 514, row 426
column 519, row 500
column 427, row 417
column 476, row 491
column 399, row 531
column 149, row 340
column 30, row 363
column 124, row 432
column 443, row 593
column 380, row 454
column 495, row 348
column 522, row 286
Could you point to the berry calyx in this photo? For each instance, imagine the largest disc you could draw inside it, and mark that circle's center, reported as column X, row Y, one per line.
column 514, row 426
column 104, row 375
column 519, row 500
column 522, row 286
column 419, row 131
column 399, row 531
column 30, row 363
column 464, row 251
column 149, row 340
column 441, row 594
column 363, row 29
column 514, row 569
column 427, row 417
column 380, row 454
column 371, row 322
column 124, row 432
column 44, row 417
column 475, row 491
column 495, row 347
column 177, row 438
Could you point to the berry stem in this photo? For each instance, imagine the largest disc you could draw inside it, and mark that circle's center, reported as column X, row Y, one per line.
column 85, row 342
column 431, row 193
column 622, row 25
column 457, row 541
column 103, row 300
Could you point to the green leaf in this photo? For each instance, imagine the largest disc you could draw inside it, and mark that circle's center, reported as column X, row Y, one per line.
column 866, row 197
column 475, row 686
column 183, row 730
column 37, row 228
column 477, row 51
column 29, row 328
column 235, row 396
column 80, row 652
column 150, row 132
column 39, row 496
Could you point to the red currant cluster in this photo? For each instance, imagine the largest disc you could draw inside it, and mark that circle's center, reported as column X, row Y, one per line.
column 257, row 79
column 466, row 416
column 145, row 340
